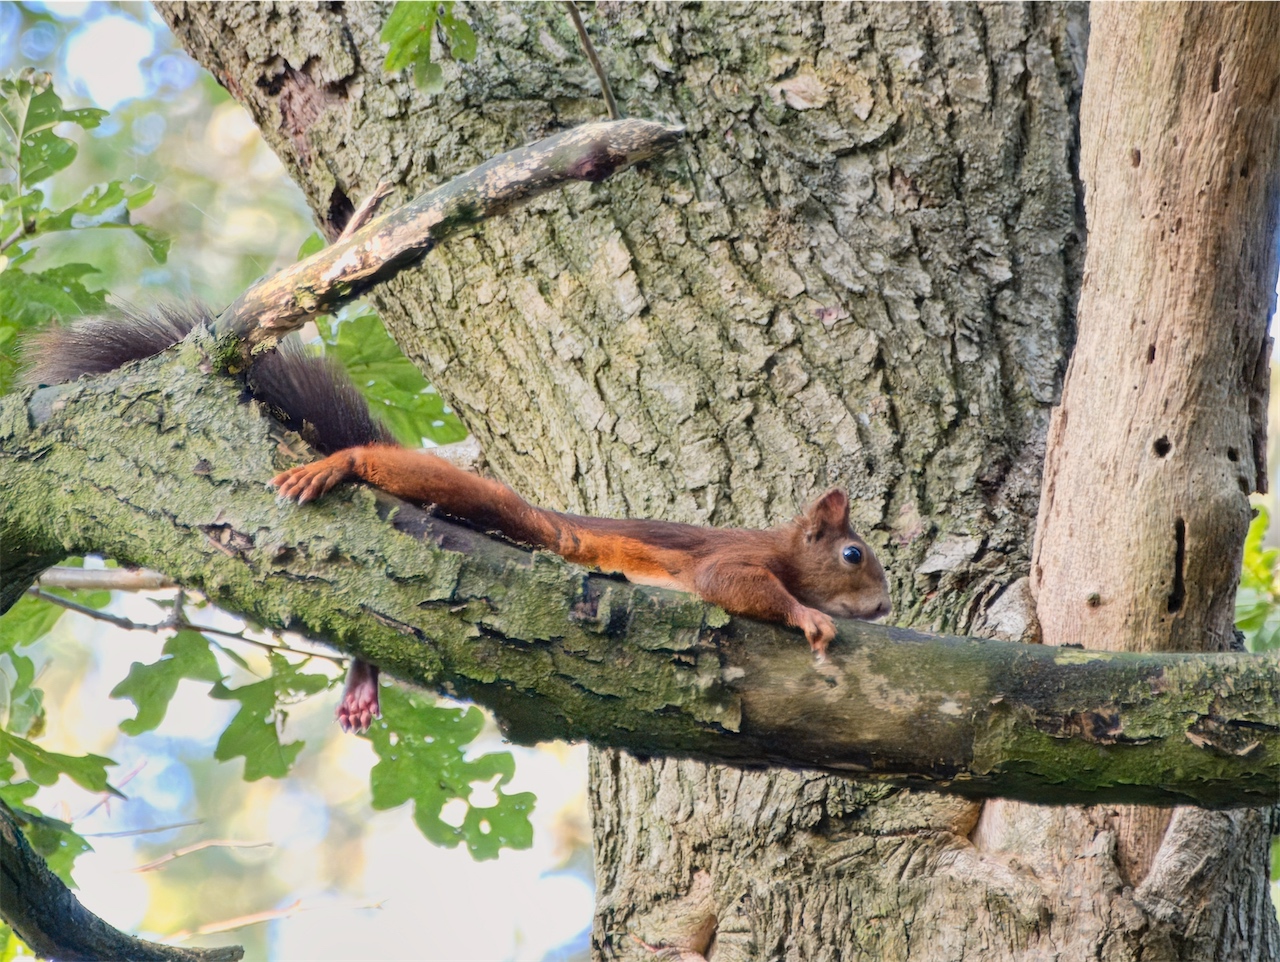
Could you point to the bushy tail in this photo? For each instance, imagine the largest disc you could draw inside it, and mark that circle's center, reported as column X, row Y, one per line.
column 96, row 345
column 312, row 395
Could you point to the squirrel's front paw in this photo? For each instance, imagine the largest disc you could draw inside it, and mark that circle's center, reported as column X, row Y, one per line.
column 818, row 628
column 310, row 481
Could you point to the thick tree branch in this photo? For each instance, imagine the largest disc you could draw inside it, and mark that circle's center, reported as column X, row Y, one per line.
column 349, row 267
column 165, row 468
column 49, row 918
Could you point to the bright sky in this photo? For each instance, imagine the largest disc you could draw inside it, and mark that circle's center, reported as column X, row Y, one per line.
column 104, row 58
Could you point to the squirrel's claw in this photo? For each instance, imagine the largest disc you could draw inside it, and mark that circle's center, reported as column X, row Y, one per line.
column 818, row 628
column 309, row 481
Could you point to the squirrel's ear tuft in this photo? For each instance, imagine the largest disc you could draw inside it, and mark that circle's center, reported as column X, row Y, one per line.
column 829, row 513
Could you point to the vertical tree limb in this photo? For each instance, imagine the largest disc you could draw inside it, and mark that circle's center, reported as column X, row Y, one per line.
column 1159, row 436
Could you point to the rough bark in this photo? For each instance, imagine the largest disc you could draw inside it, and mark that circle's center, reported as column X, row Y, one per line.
column 560, row 654
column 861, row 270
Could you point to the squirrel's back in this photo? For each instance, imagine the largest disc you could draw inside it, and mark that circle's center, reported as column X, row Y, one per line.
column 310, row 394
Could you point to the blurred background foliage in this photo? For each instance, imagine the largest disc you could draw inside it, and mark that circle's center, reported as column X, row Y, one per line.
column 189, row 848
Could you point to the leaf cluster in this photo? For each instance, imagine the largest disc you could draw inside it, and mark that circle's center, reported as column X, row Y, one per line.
column 409, row 32
column 32, row 151
column 393, row 386
column 22, row 721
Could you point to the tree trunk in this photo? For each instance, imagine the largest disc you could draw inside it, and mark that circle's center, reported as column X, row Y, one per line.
column 860, row 270
column 1163, row 414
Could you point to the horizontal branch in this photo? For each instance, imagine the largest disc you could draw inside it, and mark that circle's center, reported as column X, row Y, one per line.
column 162, row 467
column 285, row 301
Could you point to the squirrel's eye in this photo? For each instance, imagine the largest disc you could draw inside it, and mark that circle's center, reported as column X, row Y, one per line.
column 852, row 554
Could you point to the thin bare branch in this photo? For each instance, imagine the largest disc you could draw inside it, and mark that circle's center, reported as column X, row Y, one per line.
column 172, row 826
column 596, row 65
column 346, row 269
column 177, row 623
column 104, row 579
column 197, row 847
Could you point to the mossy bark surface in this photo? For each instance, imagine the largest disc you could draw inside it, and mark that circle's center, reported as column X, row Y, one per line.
column 172, row 478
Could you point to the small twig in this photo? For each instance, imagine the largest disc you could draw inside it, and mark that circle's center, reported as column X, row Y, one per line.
column 13, row 238
column 104, row 798
column 596, row 65
column 104, row 579
column 368, row 207
column 145, row 831
column 117, row 620
column 227, row 925
column 175, row 623
column 197, row 847
column 344, row 270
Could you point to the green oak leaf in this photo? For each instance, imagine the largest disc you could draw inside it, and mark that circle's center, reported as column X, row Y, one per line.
column 105, row 206
column 312, row 245
column 32, row 300
column 408, row 30
column 408, row 33
column 30, row 618
column 44, row 767
column 29, row 110
column 421, row 752
column 1257, row 611
column 255, row 730
column 56, row 841
column 395, row 389
column 462, row 39
column 151, row 687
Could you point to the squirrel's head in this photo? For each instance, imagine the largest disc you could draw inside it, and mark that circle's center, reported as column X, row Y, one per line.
column 838, row 573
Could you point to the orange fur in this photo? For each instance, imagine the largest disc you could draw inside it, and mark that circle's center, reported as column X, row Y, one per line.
column 796, row 573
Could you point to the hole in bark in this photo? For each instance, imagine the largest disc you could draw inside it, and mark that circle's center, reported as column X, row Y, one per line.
column 1179, row 593
column 1162, row 447
column 1233, row 454
column 340, row 211
column 1135, row 157
column 1151, row 353
column 1216, row 79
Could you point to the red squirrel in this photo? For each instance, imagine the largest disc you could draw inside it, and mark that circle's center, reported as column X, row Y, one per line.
column 799, row 574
